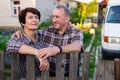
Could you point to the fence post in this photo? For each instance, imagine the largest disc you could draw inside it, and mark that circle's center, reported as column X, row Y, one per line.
column 85, row 66
column 60, row 66
column 117, row 69
column 73, row 67
column 15, row 66
column 30, row 67
column 2, row 77
column 45, row 75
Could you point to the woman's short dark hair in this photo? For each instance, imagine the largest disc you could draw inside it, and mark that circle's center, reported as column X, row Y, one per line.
column 23, row 13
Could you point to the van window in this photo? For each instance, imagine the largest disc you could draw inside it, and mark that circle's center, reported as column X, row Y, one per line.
column 114, row 15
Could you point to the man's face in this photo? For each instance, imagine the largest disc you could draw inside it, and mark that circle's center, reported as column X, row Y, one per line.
column 59, row 18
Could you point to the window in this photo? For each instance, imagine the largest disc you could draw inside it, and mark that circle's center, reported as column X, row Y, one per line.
column 15, row 7
column 114, row 15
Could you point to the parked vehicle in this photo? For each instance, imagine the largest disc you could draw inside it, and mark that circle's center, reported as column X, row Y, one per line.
column 110, row 34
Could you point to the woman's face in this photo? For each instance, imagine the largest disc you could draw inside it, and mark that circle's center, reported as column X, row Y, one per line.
column 31, row 21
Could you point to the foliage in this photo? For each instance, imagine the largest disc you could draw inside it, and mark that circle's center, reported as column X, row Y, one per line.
column 44, row 24
column 97, row 37
column 3, row 41
column 87, row 38
column 78, row 14
column 92, row 65
column 83, row 8
column 95, row 44
column 75, row 15
column 92, row 7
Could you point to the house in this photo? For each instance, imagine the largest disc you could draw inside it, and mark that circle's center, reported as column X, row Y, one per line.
column 101, row 10
column 9, row 10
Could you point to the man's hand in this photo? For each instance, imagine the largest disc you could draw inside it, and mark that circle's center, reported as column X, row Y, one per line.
column 18, row 34
column 44, row 64
column 44, row 53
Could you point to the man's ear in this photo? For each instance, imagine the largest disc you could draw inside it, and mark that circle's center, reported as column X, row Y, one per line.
column 67, row 18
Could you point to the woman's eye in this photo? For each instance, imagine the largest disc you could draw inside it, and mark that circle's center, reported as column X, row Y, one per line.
column 36, row 17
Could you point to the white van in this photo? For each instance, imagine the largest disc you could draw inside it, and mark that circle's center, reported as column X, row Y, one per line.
column 110, row 34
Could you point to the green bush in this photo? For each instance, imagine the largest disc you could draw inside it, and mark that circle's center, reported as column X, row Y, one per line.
column 44, row 24
column 3, row 42
column 87, row 39
column 75, row 15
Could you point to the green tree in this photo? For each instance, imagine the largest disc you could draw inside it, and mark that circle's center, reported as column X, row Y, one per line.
column 92, row 7
column 75, row 15
column 78, row 14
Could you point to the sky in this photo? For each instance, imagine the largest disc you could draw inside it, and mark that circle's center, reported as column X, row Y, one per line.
column 87, row 1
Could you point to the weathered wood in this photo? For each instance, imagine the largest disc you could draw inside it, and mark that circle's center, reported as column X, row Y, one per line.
column 45, row 75
column 85, row 66
column 2, row 77
column 60, row 66
column 30, row 67
column 73, row 66
column 15, row 66
column 117, row 69
column 105, row 70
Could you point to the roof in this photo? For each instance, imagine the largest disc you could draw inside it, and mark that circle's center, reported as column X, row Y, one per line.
column 104, row 2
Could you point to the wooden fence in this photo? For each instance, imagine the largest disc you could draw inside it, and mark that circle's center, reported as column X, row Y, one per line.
column 73, row 67
column 108, row 70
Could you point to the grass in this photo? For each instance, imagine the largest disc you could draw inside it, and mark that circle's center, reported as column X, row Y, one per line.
column 96, row 43
column 97, row 39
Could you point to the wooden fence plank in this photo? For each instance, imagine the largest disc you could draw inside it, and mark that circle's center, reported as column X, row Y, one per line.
column 15, row 66
column 60, row 66
column 105, row 70
column 30, row 67
column 85, row 66
column 117, row 69
column 45, row 75
column 73, row 66
column 2, row 77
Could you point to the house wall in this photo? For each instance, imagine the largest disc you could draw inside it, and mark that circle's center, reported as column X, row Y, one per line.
column 6, row 18
column 46, row 8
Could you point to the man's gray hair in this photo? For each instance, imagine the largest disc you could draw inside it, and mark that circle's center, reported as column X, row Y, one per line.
column 67, row 11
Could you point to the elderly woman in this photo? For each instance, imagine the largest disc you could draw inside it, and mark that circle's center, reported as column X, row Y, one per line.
column 29, row 19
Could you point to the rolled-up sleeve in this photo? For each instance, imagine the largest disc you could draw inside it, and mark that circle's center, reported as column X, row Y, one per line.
column 14, row 44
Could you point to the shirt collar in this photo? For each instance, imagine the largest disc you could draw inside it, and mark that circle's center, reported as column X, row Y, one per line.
column 67, row 30
column 27, row 38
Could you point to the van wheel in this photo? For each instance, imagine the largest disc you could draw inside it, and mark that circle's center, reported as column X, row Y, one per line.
column 103, row 57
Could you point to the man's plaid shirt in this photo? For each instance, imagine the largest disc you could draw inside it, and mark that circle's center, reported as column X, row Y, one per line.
column 14, row 45
column 52, row 38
